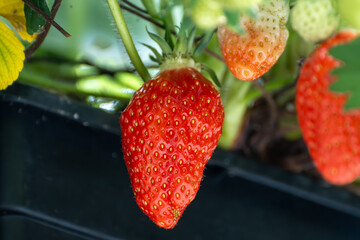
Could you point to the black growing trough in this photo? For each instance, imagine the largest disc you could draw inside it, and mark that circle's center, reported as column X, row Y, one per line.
column 62, row 177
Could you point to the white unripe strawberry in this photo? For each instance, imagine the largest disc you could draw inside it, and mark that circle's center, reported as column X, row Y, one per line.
column 239, row 4
column 314, row 20
column 207, row 14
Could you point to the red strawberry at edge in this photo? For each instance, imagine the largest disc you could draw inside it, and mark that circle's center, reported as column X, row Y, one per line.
column 169, row 132
column 252, row 54
column 332, row 135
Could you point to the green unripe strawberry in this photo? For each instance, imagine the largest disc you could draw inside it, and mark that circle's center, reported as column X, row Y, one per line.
column 207, row 14
column 315, row 20
column 349, row 11
column 239, row 4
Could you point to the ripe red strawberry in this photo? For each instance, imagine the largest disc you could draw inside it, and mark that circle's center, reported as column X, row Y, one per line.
column 251, row 55
column 332, row 135
column 169, row 131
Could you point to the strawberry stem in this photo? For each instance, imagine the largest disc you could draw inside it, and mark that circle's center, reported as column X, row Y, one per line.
column 150, row 8
column 127, row 39
column 272, row 104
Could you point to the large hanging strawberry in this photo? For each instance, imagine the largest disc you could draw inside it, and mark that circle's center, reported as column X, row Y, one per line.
column 252, row 54
column 332, row 135
column 169, row 131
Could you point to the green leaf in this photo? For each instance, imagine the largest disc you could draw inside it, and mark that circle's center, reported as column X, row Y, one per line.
column 34, row 21
column 348, row 82
column 233, row 20
column 186, row 24
column 212, row 75
column 290, row 2
column 348, row 75
column 166, row 49
column 11, row 56
column 150, row 8
column 168, row 35
column 185, row 3
column 203, row 43
column 157, row 56
column 14, row 12
column 191, row 40
column 181, row 46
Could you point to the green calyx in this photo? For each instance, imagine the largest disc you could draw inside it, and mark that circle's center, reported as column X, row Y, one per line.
column 183, row 50
column 182, row 53
column 179, row 62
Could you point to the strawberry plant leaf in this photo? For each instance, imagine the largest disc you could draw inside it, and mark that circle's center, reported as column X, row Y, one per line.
column 348, row 74
column 291, row 2
column 204, row 42
column 14, row 12
column 191, row 39
column 166, row 49
column 349, row 84
column 233, row 20
column 11, row 56
column 34, row 21
column 212, row 75
column 168, row 35
column 158, row 58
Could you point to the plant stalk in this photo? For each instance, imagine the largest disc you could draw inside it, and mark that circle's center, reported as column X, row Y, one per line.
column 127, row 39
column 274, row 115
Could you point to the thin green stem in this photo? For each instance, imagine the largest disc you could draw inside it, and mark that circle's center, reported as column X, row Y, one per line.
column 127, row 40
column 166, row 14
column 141, row 15
column 225, row 76
column 274, row 115
column 134, row 6
column 150, row 8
